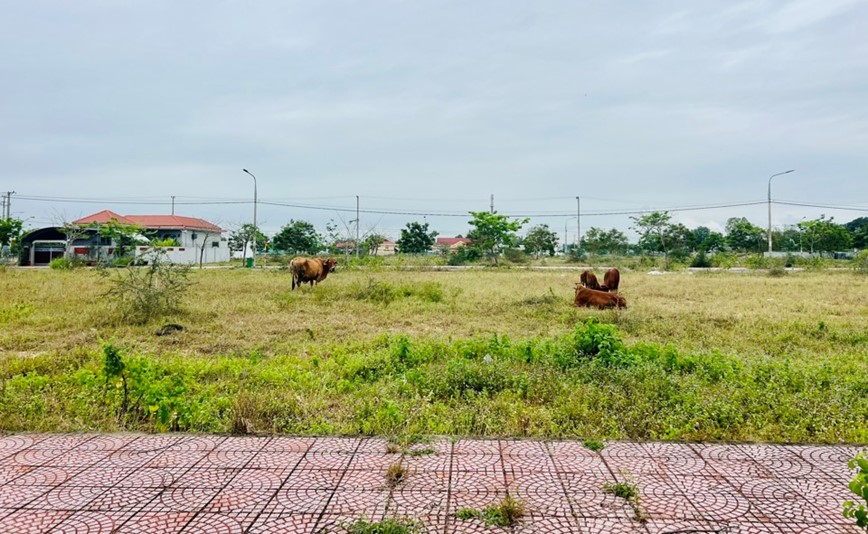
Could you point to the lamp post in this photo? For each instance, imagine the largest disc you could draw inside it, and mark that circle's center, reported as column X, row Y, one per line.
column 770, row 205
column 253, row 238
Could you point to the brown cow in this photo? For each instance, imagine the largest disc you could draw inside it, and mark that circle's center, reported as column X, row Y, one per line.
column 313, row 270
column 592, row 298
column 611, row 280
column 589, row 280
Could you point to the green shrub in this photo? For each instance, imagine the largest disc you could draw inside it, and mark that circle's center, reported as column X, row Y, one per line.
column 463, row 256
column 860, row 262
column 514, row 255
column 701, row 260
column 141, row 294
column 65, row 263
column 859, row 486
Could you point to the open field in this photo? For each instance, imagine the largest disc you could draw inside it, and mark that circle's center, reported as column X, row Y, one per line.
column 741, row 356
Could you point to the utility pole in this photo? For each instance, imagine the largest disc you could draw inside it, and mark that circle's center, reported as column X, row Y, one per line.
column 492, row 204
column 7, row 205
column 173, row 204
column 357, row 226
column 579, row 222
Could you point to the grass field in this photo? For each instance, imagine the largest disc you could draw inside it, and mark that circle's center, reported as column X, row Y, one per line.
column 707, row 356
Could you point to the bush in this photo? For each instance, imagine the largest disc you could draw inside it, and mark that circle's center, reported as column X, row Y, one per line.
column 65, row 263
column 514, row 255
column 700, row 260
column 464, row 255
column 141, row 294
column 860, row 262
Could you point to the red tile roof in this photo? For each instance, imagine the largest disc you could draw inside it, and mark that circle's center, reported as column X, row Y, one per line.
column 452, row 241
column 152, row 222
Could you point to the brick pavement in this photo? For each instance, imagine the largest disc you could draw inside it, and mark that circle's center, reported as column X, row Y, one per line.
column 200, row 483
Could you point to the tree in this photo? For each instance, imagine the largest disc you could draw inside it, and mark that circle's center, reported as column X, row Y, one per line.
column 824, row 235
column 540, row 240
column 652, row 230
column 599, row 241
column 298, row 237
column 742, row 236
column 10, row 234
column 679, row 239
column 706, row 240
column 416, row 239
column 858, row 229
column 239, row 239
column 492, row 231
column 123, row 236
column 371, row 243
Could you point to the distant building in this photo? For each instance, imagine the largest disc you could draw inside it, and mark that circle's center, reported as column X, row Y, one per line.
column 451, row 244
column 41, row 246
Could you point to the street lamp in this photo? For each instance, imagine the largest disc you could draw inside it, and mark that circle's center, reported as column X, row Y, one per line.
column 254, row 217
column 770, row 205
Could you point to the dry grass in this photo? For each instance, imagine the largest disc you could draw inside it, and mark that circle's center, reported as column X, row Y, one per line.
column 238, row 311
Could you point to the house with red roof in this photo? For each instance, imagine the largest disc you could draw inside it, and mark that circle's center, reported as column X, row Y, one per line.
column 189, row 239
column 450, row 244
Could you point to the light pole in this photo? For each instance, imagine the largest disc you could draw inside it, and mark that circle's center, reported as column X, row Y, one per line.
column 770, row 205
column 566, row 221
column 253, row 238
column 579, row 223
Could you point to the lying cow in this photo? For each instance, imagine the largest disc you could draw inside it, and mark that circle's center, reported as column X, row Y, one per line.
column 611, row 280
column 313, row 270
column 589, row 280
column 592, row 298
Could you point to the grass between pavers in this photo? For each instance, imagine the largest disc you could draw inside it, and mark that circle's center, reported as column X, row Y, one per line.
column 696, row 357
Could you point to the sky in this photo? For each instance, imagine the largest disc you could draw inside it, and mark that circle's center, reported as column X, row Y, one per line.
column 424, row 110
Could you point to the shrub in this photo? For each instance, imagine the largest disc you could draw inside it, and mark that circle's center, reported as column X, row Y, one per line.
column 464, row 255
column 701, row 260
column 141, row 294
column 860, row 262
column 65, row 263
column 514, row 255
column 859, row 486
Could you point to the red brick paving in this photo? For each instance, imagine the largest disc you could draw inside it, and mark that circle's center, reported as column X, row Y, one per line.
column 215, row 484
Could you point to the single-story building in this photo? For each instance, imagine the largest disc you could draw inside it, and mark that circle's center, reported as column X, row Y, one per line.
column 450, row 244
column 191, row 236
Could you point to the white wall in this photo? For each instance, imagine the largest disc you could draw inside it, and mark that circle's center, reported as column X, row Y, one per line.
column 190, row 248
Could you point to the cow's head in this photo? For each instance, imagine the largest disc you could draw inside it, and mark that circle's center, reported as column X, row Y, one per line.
column 330, row 264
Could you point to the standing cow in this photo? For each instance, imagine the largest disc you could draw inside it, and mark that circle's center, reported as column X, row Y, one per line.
column 589, row 280
column 592, row 298
column 611, row 279
column 313, row 270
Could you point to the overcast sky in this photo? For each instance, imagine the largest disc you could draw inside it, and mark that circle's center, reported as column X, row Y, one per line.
column 432, row 107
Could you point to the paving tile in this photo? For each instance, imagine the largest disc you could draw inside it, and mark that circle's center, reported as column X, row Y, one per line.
column 428, row 462
column 662, row 526
column 683, row 465
column 45, row 476
column 796, row 528
column 666, row 449
column 36, row 457
column 572, row 449
column 264, row 479
column 477, row 481
column 621, row 449
column 432, row 481
column 299, row 501
column 313, row 479
column 70, row 498
column 471, row 526
column 18, row 496
column 785, row 510
column 131, row 458
column 196, row 443
column 79, row 458
column 372, row 446
column 717, row 452
column 323, row 460
column 10, row 472
column 358, row 502
column 371, row 461
column 335, row 445
column 582, row 464
column 60, row 441
column 407, row 502
column 521, row 448
column 13, row 444
column 622, row 466
column 100, row 476
column 528, row 464
column 285, row 524
column 238, row 499
column 242, row 443
column 286, row 444
column 90, row 522
column 265, row 459
column 181, row 500
column 608, row 525
column 476, row 447
column 152, row 522
column 205, row 478
column 215, row 524
column 100, row 442
column 740, row 469
column 543, row 525
column 32, row 521
column 226, row 459
column 119, row 499
column 366, row 480
column 153, row 442
column 177, row 458
column 152, row 478
column 478, row 463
